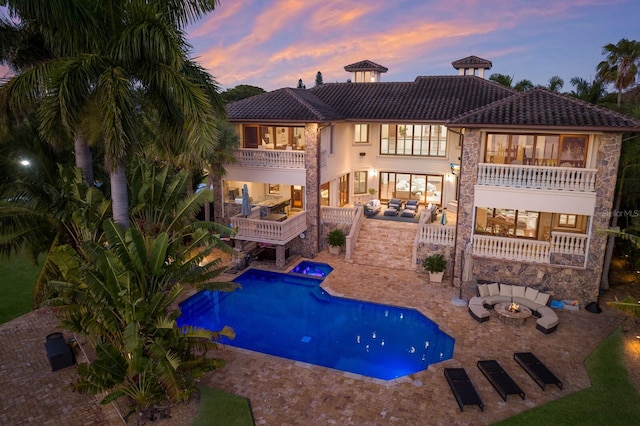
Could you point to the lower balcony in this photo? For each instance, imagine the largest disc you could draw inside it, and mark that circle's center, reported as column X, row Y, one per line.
column 563, row 248
column 272, row 229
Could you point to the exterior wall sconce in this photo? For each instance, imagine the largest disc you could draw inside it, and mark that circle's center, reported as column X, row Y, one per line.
column 362, row 154
column 455, row 169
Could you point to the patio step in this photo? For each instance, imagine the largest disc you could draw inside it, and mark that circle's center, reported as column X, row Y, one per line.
column 385, row 243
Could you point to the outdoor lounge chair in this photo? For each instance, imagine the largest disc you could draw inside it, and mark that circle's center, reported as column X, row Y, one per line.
column 537, row 370
column 408, row 213
column 394, row 206
column 499, row 379
column 462, row 388
column 412, row 205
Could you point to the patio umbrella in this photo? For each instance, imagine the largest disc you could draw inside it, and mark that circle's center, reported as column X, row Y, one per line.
column 246, row 202
column 443, row 219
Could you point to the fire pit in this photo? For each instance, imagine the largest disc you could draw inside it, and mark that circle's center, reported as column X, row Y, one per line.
column 512, row 313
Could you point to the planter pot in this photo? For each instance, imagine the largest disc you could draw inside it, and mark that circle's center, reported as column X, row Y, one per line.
column 334, row 249
column 436, row 277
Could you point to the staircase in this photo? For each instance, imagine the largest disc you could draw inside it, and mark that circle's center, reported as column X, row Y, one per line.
column 385, row 243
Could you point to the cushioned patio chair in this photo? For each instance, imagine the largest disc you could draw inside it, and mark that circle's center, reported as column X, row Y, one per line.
column 462, row 388
column 412, row 205
column 394, row 206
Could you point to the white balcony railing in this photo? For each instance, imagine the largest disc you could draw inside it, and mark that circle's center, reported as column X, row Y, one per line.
column 511, row 248
column 568, row 243
column 337, row 214
column 270, row 158
column 266, row 231
column 537, row 177
column 443, row 235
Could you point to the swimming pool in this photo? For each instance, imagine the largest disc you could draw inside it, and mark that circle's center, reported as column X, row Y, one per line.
column 290, row 316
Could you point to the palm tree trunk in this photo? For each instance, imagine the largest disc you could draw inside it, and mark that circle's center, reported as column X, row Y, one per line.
column 84, row 158
column 611, row 241
column 119, row 196
column 207, row 204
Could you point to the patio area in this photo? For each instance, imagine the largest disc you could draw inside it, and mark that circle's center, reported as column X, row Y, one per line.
column 284, row 392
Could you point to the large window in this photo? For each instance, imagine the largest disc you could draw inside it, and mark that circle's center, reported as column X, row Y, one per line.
column 359, row 182
column 343, row 190
column 425, row 188
column 413, row 139
column 361, row 133
column 507, row 222
column 539, row 150
column 273, row 137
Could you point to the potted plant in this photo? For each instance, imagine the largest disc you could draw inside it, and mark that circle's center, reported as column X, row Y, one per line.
column 435, row 265
column 335, row 240
column 372, row 192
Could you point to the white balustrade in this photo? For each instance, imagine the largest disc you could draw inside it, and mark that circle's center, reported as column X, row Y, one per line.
column 443, row 235
column 269, row 231
column 352, row 237
column 337, row 214
column 270, row 158
column 568, row 243
column 511, row 248
column 537, row 177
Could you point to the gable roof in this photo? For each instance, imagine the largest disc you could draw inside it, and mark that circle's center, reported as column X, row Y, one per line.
column 290, row 105
column 540, row 108
column 365, row 65
column 472, row 62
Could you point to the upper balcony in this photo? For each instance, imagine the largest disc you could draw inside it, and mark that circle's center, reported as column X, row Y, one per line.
column 537, row 177
column 270, row 158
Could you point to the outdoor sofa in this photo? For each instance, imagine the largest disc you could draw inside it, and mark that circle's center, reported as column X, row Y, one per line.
column 372, row 208
column 492, row 293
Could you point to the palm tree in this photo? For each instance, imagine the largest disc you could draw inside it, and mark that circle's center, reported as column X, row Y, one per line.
column 503, row 79
column 555, row 84
column 137, row 50
column 589, row 92
column 121, row 295
column 507, row 81
column 523, row 85
column 621, row 65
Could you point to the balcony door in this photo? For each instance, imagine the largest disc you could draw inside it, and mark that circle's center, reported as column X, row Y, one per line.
column 296, row 196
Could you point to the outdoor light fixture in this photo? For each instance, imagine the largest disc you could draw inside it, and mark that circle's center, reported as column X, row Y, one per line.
column 362, row 154
column 455, row 169
column 25, row 163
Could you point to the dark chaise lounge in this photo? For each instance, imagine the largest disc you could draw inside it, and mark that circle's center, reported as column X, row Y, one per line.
column 500, row 379
column 462, row 388
column 537, row 370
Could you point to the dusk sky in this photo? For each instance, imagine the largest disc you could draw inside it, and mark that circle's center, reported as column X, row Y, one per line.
column 273, row 43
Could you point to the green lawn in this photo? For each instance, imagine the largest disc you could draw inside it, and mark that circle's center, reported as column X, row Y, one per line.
column 221, row 408
column 16, row 286
column 611, row 400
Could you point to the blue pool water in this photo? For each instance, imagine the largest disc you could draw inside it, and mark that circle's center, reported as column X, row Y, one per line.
column 290, row 316
column 312, row 269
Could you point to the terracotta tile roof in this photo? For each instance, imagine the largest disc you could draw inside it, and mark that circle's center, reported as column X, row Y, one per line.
column 291, row 105
column 365, row 65
column 471, row 62
column 540, row 108
column 427, row 99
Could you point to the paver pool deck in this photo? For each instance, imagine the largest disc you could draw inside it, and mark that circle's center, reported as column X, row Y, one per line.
column 284, row 392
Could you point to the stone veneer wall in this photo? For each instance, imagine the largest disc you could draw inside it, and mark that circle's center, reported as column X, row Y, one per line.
column 309, row 247
column 561, row 282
